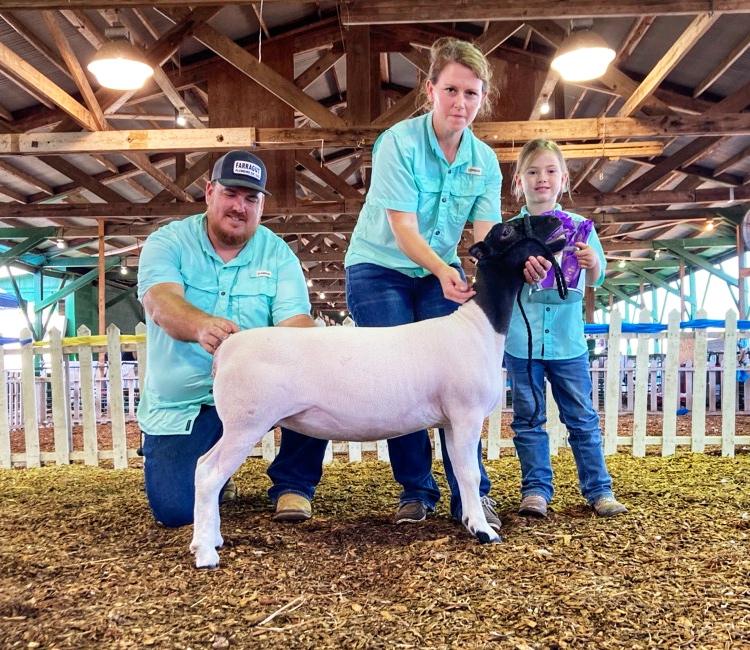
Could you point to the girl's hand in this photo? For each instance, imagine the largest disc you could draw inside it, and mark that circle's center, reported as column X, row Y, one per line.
column 586, row 256
column 536, row 269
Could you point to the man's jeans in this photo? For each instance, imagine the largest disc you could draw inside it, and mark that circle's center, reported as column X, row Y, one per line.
column 571, row 388
column 169, row 464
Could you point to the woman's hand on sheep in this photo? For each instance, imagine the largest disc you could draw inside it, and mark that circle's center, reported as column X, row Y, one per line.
column 536, row 269
column 213, row 331
column 454, row 286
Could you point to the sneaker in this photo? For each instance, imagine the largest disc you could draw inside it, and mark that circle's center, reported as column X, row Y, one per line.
column 229, row 493
column 411, row 513
column 489, row 512
column 533, row 505
column 292, row 507
column 608, row 507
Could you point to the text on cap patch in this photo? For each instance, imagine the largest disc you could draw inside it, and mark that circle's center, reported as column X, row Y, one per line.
column 246, row 168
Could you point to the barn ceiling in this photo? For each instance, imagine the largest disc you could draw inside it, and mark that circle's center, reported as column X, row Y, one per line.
column 659, row 147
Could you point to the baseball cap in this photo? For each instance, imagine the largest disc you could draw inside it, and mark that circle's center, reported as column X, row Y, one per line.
column 241, row 169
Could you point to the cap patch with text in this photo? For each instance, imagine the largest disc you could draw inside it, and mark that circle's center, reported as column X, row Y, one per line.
column 241, row 169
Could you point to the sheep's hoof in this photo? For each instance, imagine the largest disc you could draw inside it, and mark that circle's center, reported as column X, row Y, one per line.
column 207, row 560
column 485, row 538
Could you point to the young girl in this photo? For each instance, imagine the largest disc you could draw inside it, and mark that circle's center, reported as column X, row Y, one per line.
column 559, row 352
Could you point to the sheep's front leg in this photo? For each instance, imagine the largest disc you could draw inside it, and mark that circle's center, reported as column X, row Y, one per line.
column 462, row 442
column 211, row 474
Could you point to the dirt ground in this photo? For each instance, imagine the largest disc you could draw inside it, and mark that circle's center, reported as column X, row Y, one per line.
column 84, row 565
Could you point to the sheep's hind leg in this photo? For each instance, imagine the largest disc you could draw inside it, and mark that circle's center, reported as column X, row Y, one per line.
column 462, row 450
column 213, row 471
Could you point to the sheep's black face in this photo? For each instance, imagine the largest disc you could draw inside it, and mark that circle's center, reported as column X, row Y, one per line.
column 524, row 236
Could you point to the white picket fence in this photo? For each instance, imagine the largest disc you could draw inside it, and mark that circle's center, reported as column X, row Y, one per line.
column 66, row 386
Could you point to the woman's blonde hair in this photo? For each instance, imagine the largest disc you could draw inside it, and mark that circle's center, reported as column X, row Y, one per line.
column 454, row 50
column 527, row 155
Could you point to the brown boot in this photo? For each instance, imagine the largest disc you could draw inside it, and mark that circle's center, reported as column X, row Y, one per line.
column 292, row 507
column 229, row 492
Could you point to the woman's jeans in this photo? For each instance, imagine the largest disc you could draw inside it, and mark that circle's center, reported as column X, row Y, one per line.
column 380, row 297
column 571, row 388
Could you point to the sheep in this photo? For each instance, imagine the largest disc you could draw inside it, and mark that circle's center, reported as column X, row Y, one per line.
column 370, row 383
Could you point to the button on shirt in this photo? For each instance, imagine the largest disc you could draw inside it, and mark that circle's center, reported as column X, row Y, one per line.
column 262, row 286
column 557, row 330
column 411, row 174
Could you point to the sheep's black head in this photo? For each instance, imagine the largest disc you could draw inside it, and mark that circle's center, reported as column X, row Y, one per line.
column 542, row 235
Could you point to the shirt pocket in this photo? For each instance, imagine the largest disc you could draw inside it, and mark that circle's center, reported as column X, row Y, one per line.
column 429, row 189
column 252, row 302
column 464, row 193
column 202, row 293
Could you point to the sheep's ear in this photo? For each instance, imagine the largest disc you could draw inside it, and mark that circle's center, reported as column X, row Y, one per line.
column 479, row 250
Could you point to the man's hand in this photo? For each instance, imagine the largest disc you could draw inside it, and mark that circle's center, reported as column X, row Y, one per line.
column 213, row 331
column 166, row 305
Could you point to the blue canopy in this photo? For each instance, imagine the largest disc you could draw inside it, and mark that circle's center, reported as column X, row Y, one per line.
column 8, row 301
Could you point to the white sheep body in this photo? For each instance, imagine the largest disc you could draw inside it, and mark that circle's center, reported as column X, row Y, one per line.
column 366, row 384
column 380, row 369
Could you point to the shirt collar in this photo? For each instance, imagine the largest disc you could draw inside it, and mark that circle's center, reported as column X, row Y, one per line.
column 525, row 210
column 462, row 155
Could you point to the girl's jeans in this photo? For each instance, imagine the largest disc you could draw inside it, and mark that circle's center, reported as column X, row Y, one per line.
column 571, row 388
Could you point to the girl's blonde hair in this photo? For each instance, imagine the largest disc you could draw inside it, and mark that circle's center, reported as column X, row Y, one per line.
column 527, row 155
column 454, row 50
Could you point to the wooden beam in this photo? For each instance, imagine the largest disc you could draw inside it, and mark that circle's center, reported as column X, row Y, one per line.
column 700, row 25
column 318, row 168
column 174, row 97
column 736, row 101
column 27, row 178
column 85, row 26
column 17, row 68
column 625, row 87
column 494, row 133
column 700, row 196
column 121, row 209
column 35, row 42
column 81, row 178
column 187, row 178
column 75, row 69
column 722, row 66
column 159, row 210
column 477, row 10
column 424, row 11
column 637, row 149
column 321, row 66
column 265, row 76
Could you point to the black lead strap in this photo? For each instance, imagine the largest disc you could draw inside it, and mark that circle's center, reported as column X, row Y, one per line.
column 562, row 291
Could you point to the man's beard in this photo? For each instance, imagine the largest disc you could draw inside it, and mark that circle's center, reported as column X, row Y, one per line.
column 232, row 240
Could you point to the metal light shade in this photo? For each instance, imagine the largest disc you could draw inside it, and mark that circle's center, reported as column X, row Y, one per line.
column 119, row 65
column 583, row 55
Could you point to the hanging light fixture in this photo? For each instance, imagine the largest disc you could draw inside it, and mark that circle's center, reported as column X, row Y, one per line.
column 544, row 108
column 583, row 54
column 119, row 64
column 181, row 119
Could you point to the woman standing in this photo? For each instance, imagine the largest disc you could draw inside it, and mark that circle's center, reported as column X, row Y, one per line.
column 430, row 175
